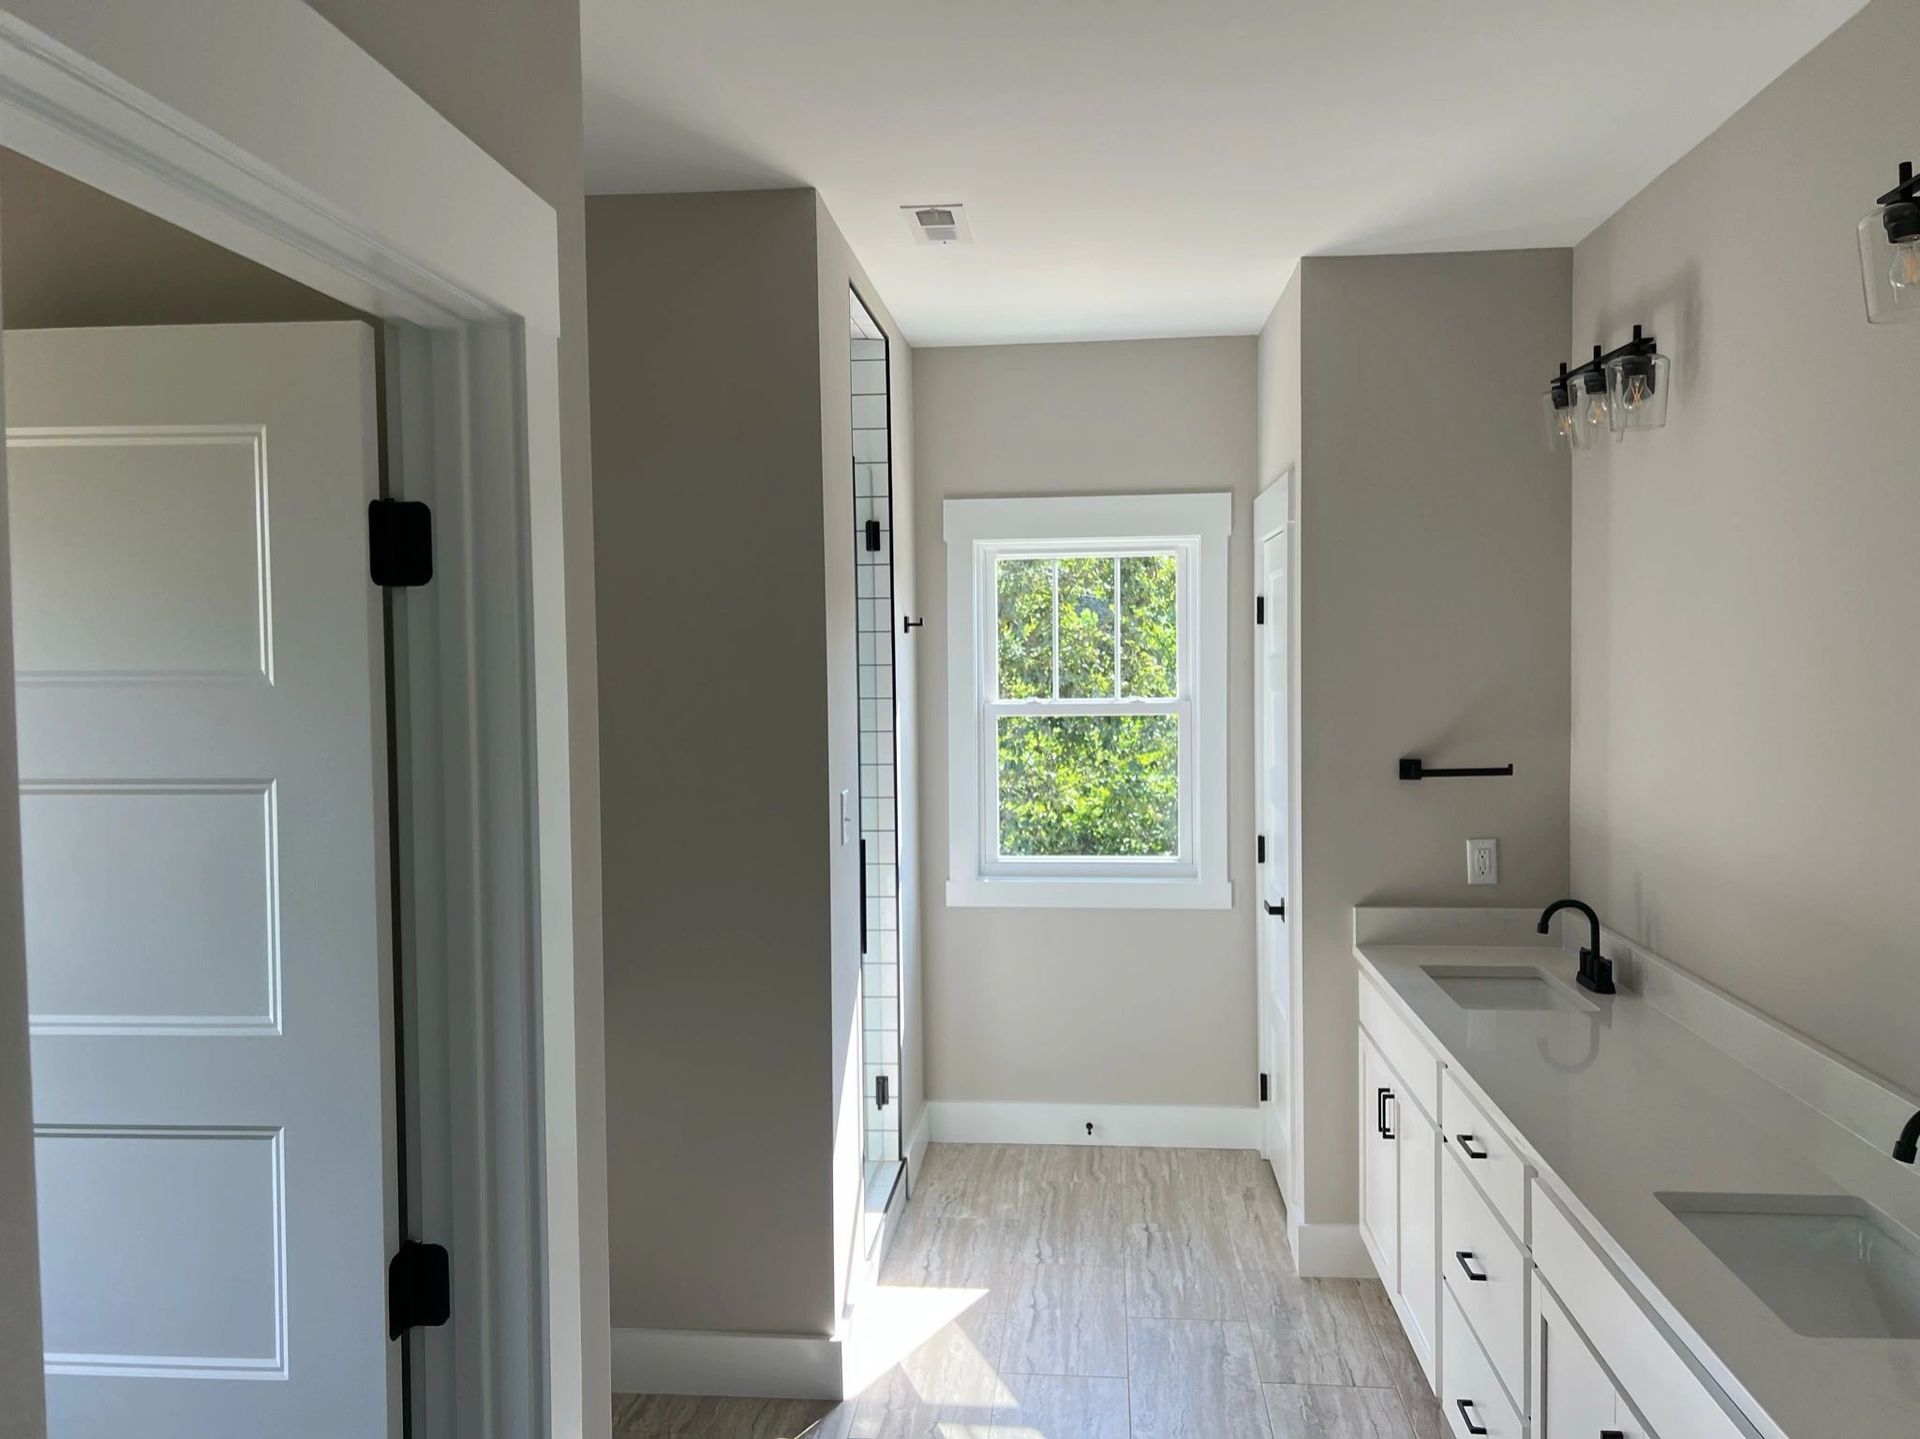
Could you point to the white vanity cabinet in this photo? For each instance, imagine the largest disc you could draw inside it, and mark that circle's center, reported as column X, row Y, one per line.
column 1523, row 1329
column 1571, row 1395
column 1400, row 1178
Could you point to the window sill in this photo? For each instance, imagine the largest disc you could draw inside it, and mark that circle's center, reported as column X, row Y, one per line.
column 1025, row 893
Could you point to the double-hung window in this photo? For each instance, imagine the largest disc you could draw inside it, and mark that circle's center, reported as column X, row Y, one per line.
column 1087, row 701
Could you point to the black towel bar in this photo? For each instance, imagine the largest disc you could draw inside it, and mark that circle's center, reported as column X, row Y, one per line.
column 1415, row 769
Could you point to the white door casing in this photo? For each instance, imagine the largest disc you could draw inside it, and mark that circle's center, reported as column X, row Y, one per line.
column 201, row 708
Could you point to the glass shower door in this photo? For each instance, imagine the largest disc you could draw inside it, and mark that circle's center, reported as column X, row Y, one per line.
column 879, row 812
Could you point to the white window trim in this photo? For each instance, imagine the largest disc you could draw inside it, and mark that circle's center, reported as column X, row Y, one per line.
column 1197, row 526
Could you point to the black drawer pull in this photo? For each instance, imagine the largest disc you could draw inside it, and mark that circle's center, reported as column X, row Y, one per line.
column 1466, row 1146
column 1464, row 1255
column 1465, row 1406
column 1380, row 1104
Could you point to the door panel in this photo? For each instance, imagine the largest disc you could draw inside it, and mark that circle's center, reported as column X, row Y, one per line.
column 1276, row 980
column 1419, row 1247
column 201, row 720
column 1379, row 1162
column 1572, row 1398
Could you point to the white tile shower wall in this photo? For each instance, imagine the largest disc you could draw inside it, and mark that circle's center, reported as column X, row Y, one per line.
column 880, row 969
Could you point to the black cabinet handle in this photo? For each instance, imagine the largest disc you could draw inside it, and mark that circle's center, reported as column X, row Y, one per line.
column 1465, row 1406
column 1613, row 1434
column 1279, row 910
column 1381, row 1103
column 1466, row 1147
column 863, row 896
column 1463, row 1255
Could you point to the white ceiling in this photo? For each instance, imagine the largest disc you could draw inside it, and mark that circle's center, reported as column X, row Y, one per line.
column 1151, row 167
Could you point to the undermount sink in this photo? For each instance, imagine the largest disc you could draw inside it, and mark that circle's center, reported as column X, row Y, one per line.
column 1829, row 1266
column 1505, row 986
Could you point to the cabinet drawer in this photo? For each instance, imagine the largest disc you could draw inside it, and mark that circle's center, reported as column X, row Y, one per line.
column 1471, row 1397
column 1648, row 1368
column 1490, row 1161
column 1486, row 1272
column 1416, row 1065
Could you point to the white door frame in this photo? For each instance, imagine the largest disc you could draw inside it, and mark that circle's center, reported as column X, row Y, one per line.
column 293, row 147
column 1272, row 514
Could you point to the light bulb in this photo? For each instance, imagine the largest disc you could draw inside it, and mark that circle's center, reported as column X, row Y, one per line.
column 1635, row 394
column 1905, row 274
column 1566, row 422
column 1597, row 411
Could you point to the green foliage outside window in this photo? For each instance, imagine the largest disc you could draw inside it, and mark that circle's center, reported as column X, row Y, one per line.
column 1089, row 785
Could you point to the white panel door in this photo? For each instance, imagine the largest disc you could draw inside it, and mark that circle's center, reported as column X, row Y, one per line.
column 1275, row 962
column 198, row 662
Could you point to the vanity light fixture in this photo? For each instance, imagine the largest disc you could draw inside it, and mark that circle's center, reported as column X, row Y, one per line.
column 1890, row 252
column 1616, row 391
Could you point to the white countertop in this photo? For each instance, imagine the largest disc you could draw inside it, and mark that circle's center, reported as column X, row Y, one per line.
column 1618, row 1106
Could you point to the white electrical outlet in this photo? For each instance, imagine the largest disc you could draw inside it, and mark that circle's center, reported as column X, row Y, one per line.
column 1483, row 861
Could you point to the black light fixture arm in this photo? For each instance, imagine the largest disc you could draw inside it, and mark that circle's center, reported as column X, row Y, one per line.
column 1640, row 344
column 1908, row 189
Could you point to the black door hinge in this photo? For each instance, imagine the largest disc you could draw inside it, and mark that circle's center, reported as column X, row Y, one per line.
column 1263, row 1089
column 1259, row 849
column 399, row 543
column 1259, row 609
column 419, row 1288
column 882, row 1091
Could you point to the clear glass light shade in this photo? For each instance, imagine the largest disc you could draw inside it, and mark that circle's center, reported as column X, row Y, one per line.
column 1564, row 428
column 1592, row 409
column 1637, row 390
column 1891, row 270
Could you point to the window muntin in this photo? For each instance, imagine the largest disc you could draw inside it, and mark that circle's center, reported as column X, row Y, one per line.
column 1086, row 709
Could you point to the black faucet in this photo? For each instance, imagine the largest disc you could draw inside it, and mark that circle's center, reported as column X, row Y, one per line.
column 1596, row 970
column 1907, row 1148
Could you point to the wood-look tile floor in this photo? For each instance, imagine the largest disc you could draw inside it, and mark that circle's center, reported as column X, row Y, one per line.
column 1102, row 1294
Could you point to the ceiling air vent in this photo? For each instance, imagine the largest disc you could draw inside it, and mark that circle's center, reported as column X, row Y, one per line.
column 938, row 224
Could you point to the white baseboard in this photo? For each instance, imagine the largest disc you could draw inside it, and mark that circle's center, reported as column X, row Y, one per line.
column 1330, row 1251
column 751, row 1366
column 1151, row 1126
column 917, row 1140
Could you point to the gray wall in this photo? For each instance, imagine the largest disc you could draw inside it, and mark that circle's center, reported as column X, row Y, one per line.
column 723, row 455
column 1104, row 1007
column 1433, row 612
column 714, row 713
column 1746, row 796
column 72, row 256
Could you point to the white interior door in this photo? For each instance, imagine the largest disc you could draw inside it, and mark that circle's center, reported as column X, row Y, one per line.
column 198, row 660
column 1276, row 977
